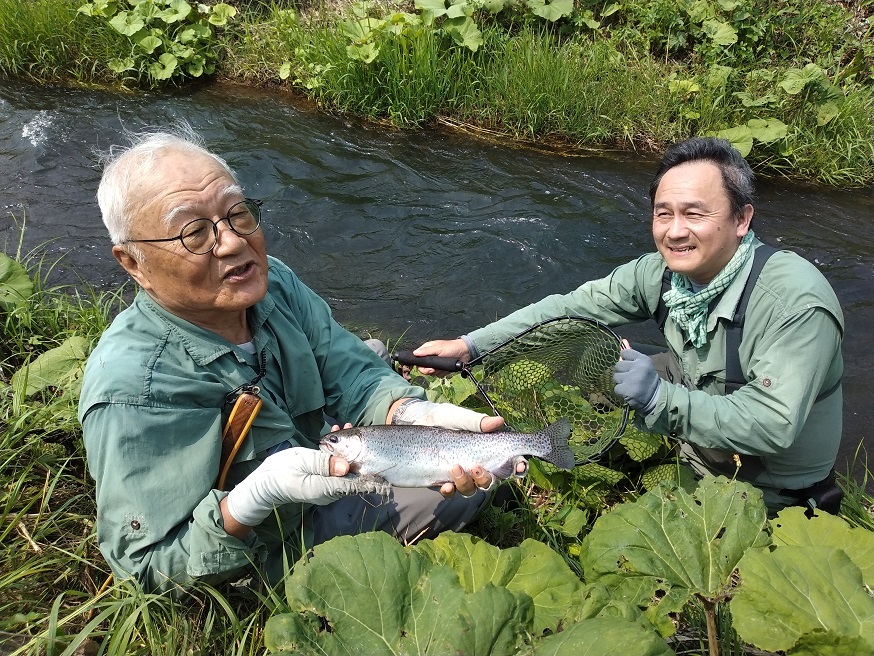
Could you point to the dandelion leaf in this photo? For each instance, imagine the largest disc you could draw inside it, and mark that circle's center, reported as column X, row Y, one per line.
column 532, row 569
column 803, row 600
column 691, row 541
column 365, row 594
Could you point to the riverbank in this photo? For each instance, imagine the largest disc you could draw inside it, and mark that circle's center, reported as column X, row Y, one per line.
column 788, row 83
column 55, row 594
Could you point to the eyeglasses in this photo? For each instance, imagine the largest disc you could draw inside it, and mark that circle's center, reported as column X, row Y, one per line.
column 200, row 235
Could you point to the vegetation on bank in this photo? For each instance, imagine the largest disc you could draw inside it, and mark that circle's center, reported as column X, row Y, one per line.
column 545, row 568
column 789, row 83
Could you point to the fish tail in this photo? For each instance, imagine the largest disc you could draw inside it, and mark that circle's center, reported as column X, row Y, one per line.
column 560, row 453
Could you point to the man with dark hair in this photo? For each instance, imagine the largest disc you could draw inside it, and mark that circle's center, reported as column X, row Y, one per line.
column 759, row 398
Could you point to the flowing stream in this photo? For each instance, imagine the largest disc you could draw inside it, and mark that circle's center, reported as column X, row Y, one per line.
column 419, row 235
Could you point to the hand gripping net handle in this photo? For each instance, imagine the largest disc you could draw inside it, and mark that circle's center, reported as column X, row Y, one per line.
column 561, row 367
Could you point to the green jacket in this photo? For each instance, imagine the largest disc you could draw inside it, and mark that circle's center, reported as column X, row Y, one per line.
column 151, row 411
column 790, row 353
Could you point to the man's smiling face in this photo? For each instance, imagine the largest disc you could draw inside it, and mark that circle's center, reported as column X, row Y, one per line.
column 693, row 225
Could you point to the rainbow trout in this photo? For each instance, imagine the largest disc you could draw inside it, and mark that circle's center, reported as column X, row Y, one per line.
column 420, row 456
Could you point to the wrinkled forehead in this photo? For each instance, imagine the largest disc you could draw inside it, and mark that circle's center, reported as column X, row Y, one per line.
column 175, row 183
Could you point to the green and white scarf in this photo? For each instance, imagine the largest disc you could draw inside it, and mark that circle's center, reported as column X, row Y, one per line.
column 688, row 308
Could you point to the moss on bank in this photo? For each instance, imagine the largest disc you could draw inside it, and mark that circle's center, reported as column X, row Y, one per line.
column 788, row 82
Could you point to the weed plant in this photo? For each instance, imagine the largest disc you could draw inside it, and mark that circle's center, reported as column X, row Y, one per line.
column 638, row 74
column 42, row 40
column 54, row 594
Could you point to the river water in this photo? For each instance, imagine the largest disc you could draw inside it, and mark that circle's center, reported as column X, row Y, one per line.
column 424, row 235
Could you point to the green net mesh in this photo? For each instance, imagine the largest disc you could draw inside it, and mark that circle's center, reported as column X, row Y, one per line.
column 561, row 368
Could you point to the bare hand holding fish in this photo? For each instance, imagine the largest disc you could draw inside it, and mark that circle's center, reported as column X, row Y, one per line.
column 422, row 456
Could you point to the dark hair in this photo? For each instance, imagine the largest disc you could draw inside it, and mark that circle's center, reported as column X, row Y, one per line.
column 737, row 176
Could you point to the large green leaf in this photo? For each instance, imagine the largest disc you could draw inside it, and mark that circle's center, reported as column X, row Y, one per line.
column 767, row 130
column 551, row 10
column 57, row 367
column 464, row 32
column 805, row 601
column 604, row 636
column 692, row 541
column 741, row 137
column 532, row 569
column 15, row 285
column 796, row 79
column 722, row 34
column 365, row 594
column 793, row 528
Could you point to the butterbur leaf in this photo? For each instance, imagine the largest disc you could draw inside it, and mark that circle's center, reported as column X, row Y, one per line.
column 659, row 598
column 15, row 284
column 740, row 137
column 767, row 130
column 465, row 33
column 221, row 14
column 164, row 68
column 177, row 10
column 431, row 10
column 150, row 43
column 127, row 23
column 56, row 367
column 693, row 541
column 604, row 636
column 793, row 528
column 796, row 79
column 803, row 601
column 531, row 569
column 721, row 34
column 366, row 594
column 826, row 112
column 551, row 11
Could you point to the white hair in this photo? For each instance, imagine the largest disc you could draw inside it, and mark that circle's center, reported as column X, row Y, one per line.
column 124, row 167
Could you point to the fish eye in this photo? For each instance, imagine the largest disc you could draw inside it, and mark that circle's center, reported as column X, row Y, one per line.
column 333, row 439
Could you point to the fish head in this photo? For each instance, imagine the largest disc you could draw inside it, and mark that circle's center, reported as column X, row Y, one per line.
column 348, row 444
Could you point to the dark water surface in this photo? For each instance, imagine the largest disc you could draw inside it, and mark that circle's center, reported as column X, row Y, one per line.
column 427, row 234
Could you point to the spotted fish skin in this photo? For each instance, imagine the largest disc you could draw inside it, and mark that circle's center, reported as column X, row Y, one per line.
column 420, row 456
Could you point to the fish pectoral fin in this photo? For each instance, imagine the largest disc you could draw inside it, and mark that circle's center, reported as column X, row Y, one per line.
column 370, row 484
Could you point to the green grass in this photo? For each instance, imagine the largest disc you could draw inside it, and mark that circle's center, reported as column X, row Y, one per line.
column 55, row 596
column 647, row 75
column 45, row 40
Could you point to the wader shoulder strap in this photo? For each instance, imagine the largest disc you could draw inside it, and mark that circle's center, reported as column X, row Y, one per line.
column 661, row 312
column 734, row 377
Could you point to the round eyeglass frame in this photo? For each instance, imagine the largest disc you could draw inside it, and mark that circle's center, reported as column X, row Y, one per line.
column 253, row 206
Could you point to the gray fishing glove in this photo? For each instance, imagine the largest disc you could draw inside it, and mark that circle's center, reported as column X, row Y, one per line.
column 637, row 380
column 445, row 415
column 291, row 476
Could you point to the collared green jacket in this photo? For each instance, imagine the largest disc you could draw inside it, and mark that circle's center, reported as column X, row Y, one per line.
column 790, row 354
column 152, row 414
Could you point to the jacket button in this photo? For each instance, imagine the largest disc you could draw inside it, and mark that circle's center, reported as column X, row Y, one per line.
column 135, row 525
column 766, row 382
